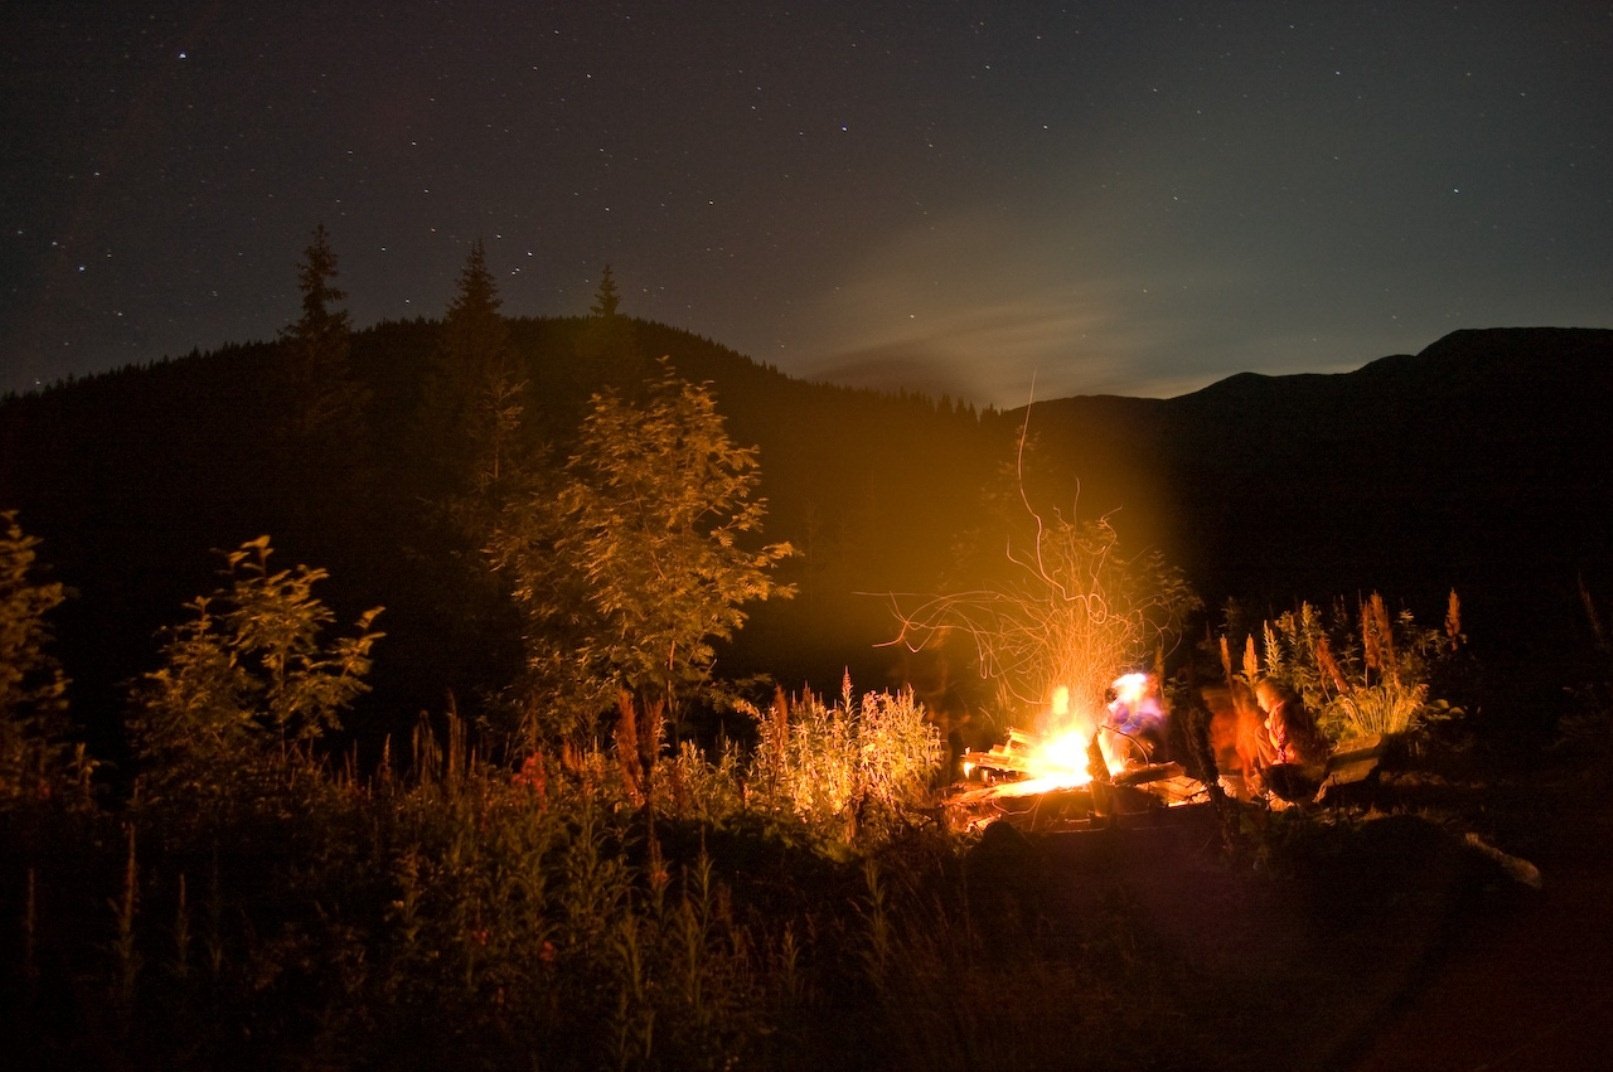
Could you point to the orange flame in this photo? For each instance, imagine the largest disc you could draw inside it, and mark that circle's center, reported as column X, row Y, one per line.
column 1055, row 758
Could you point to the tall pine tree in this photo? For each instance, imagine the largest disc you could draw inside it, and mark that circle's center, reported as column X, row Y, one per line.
column 606, row 298
column 475, row 397
column 608, row 346
column 323, row 449
column 326, row 402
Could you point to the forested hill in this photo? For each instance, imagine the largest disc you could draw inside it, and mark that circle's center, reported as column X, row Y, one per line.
column 1474, row 464
column 132, row 478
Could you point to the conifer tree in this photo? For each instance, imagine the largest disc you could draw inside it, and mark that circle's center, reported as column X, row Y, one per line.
column 608, row 347
column 327, row 403
column 606, row 298
column 475, row 398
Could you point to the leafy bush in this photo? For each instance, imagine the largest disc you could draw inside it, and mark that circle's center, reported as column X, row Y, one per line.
column 36, row 759
column 247, row 681
column 634, row 563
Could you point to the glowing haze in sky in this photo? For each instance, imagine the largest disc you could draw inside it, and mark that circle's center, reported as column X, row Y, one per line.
column 1124, row 197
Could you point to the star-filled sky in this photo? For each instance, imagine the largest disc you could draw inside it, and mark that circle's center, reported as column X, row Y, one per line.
column 1123, row 197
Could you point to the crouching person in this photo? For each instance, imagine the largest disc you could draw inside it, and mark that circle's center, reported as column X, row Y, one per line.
column 1299, row 750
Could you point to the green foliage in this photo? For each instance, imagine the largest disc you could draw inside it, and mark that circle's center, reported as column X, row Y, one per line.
column 460, row 914
column 34, row 755
column 692, row 784
column 955, row 983
column 527, row 910
column 634, row 565
column 453, row 915
column 1363, row 672
column 250, row 677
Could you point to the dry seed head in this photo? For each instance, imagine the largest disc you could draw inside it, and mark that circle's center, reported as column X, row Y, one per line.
column 781, row 715
column 1386, row 635
column 649, row 731
column 1371, row 651
column 1308, row 618
column 1251, row 660
column 1330, row 665
column 627, row 753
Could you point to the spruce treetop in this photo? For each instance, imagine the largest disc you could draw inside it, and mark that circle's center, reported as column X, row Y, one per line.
column 607, row 298
column 315, row 278
column 477, row 294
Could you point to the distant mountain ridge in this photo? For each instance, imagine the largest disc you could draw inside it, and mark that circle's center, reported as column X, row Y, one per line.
column 1459, row 364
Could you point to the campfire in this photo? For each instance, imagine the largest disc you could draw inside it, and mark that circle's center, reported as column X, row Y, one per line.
column 1079, row 768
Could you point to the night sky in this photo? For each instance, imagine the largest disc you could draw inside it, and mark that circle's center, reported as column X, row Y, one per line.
column 1118, row 197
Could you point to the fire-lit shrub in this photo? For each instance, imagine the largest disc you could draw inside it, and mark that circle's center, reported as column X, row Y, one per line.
column 248, row 679
column 637, row 559
column 1386, row 708
column 34, row 754
column 854, row 769
column 694, row 784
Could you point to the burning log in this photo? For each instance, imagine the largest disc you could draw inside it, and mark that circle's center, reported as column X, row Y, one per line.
column 1082, row 768
column 1097, row 766
column 1149, row 772
column 1008, row 783
column 1016, row 757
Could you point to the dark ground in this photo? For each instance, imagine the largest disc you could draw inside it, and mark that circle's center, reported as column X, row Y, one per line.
column 1365, row 938
column 1523, row 983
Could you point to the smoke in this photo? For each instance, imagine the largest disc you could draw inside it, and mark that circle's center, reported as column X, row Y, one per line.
column 966, row 307
column 985, row 304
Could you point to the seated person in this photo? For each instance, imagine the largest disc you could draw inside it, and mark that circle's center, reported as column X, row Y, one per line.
column 1137, row 718
column 1299, row 751
column 1238, row 737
